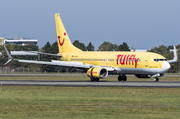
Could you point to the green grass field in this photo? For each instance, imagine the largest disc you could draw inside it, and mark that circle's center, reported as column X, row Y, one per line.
column 88, row 102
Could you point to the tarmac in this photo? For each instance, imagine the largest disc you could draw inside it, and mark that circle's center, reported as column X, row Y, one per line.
column 168, row 84
column 91, row 84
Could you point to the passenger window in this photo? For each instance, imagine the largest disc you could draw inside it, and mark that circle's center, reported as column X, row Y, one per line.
column 156, row 60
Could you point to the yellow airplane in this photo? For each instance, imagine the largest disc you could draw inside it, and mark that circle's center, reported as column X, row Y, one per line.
column 100, row 64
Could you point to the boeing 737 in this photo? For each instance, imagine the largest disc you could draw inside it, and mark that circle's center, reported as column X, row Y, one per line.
column 99, row 64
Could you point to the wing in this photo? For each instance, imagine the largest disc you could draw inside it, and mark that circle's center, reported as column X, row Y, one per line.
column 58, row 63
column 66, row 64
column 32, row 53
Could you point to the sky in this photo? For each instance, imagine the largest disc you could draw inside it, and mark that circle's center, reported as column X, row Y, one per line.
column 142, row 24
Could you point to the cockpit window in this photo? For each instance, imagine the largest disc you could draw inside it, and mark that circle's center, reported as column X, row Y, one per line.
column 156, row 60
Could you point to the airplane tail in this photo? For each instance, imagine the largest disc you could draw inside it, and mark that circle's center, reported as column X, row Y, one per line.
column 64, row 44
column 175, row 56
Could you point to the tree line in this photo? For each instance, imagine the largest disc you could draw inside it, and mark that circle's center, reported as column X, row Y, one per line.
column 105, row 46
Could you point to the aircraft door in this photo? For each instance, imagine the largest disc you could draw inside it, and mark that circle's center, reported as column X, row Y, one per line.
column 67, row 56
column 147, row 61
column 107, row 60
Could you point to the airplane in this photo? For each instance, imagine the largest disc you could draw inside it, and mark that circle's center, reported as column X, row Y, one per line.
column 99, row 64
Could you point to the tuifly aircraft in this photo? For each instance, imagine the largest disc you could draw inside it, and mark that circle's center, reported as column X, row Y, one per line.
column 99, row 65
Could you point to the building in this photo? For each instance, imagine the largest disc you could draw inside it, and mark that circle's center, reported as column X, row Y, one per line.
column 17, row 41
column 2, row 40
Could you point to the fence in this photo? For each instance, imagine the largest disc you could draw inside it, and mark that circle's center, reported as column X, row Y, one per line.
column 10, row 69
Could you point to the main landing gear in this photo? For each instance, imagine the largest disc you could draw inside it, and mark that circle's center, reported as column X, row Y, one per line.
column 122, row 78
column 156, row 79
column 94, row 79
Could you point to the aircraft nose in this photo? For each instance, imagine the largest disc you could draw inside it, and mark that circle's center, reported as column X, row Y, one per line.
column 166, row 66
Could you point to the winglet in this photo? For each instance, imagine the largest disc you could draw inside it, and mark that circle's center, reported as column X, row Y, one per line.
column 8, row 54
column 175, row 56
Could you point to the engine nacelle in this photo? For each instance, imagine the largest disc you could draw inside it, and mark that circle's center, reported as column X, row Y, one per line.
column 97, row 72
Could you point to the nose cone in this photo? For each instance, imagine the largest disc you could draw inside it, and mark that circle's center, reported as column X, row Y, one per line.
column 166, row 66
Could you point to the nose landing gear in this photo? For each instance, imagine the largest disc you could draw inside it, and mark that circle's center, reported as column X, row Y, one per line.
column 156, row 79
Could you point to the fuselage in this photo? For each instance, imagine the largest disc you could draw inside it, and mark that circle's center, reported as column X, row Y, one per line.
column 125, row 62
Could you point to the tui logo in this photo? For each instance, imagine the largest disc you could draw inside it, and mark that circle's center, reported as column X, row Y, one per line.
column 61, row 44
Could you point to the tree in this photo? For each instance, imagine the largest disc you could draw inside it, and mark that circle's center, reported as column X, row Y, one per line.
column 27, row 47
column 79, row 45
column 90, row 47
column 47, row 49
column 162, row 50
column 54, row 50
column 107, row 46
column 123, row 47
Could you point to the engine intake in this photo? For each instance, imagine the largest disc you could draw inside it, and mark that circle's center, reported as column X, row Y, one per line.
column 97, row 72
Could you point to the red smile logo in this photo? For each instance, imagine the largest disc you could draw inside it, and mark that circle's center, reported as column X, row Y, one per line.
column 60, row 40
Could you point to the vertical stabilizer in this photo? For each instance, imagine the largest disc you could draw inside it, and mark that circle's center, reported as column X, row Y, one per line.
column 64, row 44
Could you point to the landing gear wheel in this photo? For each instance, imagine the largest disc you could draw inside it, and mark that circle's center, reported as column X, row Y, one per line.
column 119, row 78
column 122, row 78
column 94, row 79
column 97, row 79
column 156, row 79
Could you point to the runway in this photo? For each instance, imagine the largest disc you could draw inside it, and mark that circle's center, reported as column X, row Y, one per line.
column 91, row 84
column 48, row 74
column 84, row 83
column 61, row 74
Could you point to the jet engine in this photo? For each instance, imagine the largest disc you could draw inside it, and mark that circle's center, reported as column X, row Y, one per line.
column 97, row 72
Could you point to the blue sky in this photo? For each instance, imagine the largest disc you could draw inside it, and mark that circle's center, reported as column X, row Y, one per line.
column 142, row 24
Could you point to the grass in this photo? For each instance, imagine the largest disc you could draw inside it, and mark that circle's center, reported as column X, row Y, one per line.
column 88, row 102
